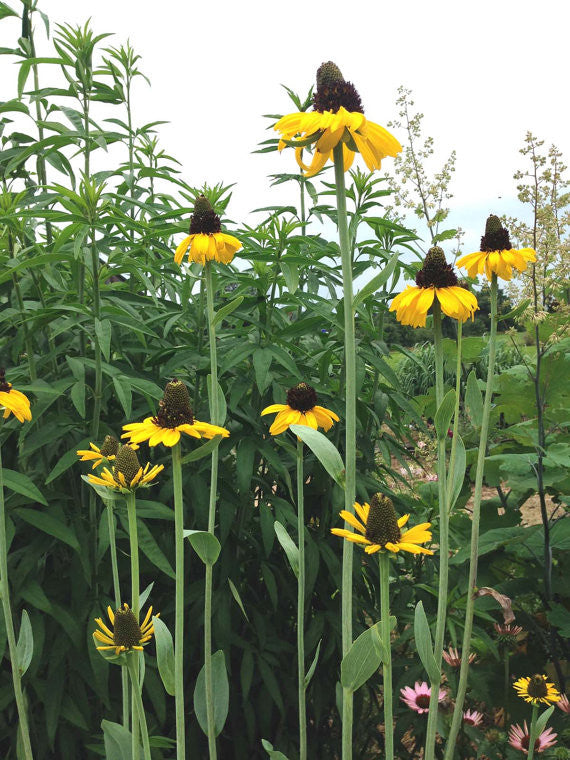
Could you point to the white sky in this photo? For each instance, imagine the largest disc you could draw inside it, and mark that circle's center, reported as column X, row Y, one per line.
column 482, row 73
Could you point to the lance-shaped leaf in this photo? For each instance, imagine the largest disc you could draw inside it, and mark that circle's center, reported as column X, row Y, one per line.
column 325, row 451
column 205, row 544
column 164, row 654
column 288, row 545
column 424, row 644
column 221, row 694
column 362, row 659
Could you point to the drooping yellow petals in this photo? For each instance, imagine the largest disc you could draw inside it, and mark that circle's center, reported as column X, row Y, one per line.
column 325, row 130
column 316, row 417
column 16, row 403
column 149, row 430
column 412, row 304
column 202, row 247
column 500, row 263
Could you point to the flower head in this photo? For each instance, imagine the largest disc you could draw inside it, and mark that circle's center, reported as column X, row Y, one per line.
column 519, row 738
column 206, row 240
column 127, row 634
column 379, row 529
column 418, row 698
column 175, row 416
column 453, row 658
column 107, row 452
column 564, row 704
column 506, row 633
column 126, row 474
column 13, row 401
column 496, row 256
column 536, row 690
column 301, row 409
column 472, row 717
column 338, row 117
column 435, row 280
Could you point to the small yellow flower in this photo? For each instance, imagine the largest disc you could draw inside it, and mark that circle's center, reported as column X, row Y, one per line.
column 301, row 409
column 206, row 240
column 496, row 256
column 435, row 280
column 379, row 528
column 338, row 116
column 536, row 690
column 174, row 417
column 127, row 634
column 13, row 401
column 107, row 452
column 126, row 474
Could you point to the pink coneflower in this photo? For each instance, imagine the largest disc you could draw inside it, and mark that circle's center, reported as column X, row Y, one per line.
column 473, row 717
column 507, row 630
column 431, row 477
column 453, row 658
column 418, row 698
column 519, row 738
column 564, row 704
column 422, row 444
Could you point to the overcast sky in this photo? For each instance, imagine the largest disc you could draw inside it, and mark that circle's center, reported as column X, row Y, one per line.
column 482, row 73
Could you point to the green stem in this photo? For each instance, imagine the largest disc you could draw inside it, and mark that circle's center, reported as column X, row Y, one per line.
column 443, row 539
column 117, row 594
column 135, row 595
column 215, row 419
column 507, row 654
column 179, row 604
column 387, row 663
column 462, row 688
column 301, row 605
column 453, row 453
column 138, row 708
column 532, row 737
column 97, row 393
column 9, row 624
column 350, row 446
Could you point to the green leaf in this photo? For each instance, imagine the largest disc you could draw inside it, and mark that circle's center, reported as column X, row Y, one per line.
column 444, row 414
column 237, row 597
column 205, row 544
column 458, row 474
column 20, row 483
column 124, row 393
column 325, row 451
column 291, row 274
column 262, row 358
column 376, row 282
column 224, row 311
column 424, row 643
column 362, row 659
column 311, row 670
column 542, row 720
column 103, row 332
column 203, row 451
column 515, row 312
column 474, row 400
column 5, row 11
column 444, row 235
column 151, row 549
column 25, row 645
column 164, row 654
column 49, row 524
column 109, row 654
column 222, row 408
column 288, row 545
column 118, row 741
column 221, row 694
column 274, row 754
column 78, row 397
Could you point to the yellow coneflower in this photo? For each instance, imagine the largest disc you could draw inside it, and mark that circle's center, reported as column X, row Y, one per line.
column 338, row 116
column 126, row 474
column 127, row 634
column 107, row 452
column 206, row 240
column 435, row 280
column 536, row 690
column 13, row 401
column 379, row 529
column 496, row 256
column 174, row 417
column 301, row 409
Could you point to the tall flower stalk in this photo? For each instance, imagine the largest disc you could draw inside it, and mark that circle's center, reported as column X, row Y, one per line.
column 496, row 258
column 384, row 566
column 301, row 606
column 350, row 440
column 179, row 603
column 135, row 597
column 9, row 624
column 443, row 538
column 215, row 417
